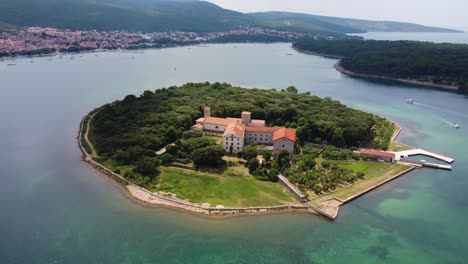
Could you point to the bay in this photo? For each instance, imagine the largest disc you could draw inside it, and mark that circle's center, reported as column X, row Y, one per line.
column 56, row 209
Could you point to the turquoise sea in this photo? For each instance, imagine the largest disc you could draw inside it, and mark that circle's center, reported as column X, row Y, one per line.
column 56, row 209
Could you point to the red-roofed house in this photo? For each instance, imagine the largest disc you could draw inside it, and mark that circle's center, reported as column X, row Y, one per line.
column 284, row 138
column 383, row 155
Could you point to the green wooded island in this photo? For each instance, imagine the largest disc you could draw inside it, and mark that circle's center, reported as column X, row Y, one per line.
column 217, row 149
column 442, row 65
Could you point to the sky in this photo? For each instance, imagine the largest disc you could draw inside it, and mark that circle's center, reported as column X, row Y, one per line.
column 440, row 13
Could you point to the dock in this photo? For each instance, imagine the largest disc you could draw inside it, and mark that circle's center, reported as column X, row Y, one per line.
column 420, row 164
column 414, row 152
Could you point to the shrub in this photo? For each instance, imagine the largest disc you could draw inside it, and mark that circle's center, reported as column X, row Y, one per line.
column 252, row 165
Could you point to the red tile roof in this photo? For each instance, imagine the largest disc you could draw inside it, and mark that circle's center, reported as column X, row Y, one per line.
column 380, row 153
column 261, row 129
column 285, row 133
column 219, row 121
column 236, row 129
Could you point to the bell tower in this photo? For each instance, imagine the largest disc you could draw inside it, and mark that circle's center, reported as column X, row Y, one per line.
column 207, row 112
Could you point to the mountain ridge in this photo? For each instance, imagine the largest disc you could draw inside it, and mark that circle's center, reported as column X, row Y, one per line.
column 177, row 15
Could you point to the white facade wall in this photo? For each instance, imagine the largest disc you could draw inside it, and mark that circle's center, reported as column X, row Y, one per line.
column 263, row 138
column 233, row 143
column 211, row 129
column 284, row 143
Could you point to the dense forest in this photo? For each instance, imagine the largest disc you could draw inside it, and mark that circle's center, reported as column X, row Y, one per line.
column 154, row 119
column 423, row 61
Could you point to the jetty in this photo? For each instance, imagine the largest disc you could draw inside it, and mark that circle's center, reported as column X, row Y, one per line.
column 420, row 164
column 413, row 152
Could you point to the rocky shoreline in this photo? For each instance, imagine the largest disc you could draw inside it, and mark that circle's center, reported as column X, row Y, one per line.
column 152, row 198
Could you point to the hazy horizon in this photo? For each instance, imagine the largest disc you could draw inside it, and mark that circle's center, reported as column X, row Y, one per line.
column 449, row 14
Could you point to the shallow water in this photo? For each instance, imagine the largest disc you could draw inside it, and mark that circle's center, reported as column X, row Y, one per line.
column 56, row 209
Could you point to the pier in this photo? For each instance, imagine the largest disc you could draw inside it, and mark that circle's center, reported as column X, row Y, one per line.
column 414, row 152
column 420, row 164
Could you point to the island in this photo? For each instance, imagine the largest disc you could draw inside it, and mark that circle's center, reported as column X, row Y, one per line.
column 215, row 149
column 443, row 65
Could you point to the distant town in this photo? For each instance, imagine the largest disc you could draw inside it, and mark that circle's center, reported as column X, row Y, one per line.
column 39, row 40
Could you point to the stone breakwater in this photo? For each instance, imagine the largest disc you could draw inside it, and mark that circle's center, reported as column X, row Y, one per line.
column 156, row 198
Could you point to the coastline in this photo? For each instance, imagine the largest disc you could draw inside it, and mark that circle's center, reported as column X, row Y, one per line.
column 149, row 198
column 328, row 209
column 339, row 68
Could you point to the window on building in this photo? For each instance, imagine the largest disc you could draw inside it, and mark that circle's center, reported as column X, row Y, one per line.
column 216, row 127
column 237, row 148
column 283, row 146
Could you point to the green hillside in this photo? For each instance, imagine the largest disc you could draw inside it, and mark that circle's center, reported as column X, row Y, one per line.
column 137, row 15
column 176, row 15
column 345, row 25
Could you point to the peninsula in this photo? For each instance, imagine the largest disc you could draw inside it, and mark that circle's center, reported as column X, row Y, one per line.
column 217, row 149
column 428, row 64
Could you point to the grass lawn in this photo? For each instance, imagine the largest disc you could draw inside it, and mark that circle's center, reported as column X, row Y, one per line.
column 397, row 146
column 230, row 188
column 375, row 173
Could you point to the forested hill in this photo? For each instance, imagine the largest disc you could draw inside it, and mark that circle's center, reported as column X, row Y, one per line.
column 131, row 15
column 444, row 64
column 175, row 15
column 287, row 20
column 154, row 119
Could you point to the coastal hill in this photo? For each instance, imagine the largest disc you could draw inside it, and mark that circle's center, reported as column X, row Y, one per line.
column 172, row 15
column 108, row 15
column 441, row 65
column 285, row 20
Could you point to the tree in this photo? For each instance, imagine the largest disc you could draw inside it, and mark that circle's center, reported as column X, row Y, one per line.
column 192, row 144
column 309, row 161
column 318, row 188
column 267, row 154
column 291, row 89
column 253, row 165
column 210, row 155
column 283, row 158
column 172, row 149
column 166, row 158
column 250, row 152
column 192, row 134
column 147, row 167
column 337, row 137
